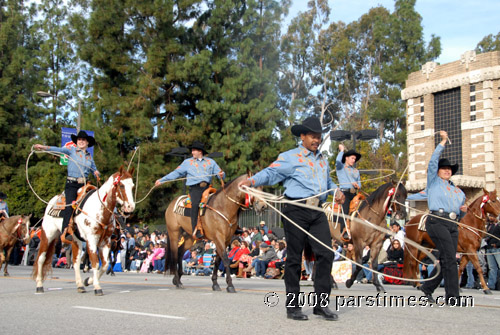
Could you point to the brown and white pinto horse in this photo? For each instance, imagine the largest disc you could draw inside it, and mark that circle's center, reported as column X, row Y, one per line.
column 469, row 239
column 219, row 225
column 95, row 224
column 12, row 230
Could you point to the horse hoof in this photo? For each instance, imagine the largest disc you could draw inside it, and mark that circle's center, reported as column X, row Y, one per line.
column 81, row 289
column 112, row 274
column 6, row 274
column 108, row 271
column 348, row 283
column 98, row 292
column 86, row 281
column 39, row 290
column 380, row 289
column 216, row 287
column 231, row 289
column 180, row 286
column 335, row 286
column 487, row 291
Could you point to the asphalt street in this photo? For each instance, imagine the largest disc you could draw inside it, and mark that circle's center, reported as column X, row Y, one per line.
column 150, row 304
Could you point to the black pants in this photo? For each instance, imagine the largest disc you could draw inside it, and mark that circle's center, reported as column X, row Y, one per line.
column 71, row 192
column 316, row 223
column 195, row 193
column 345, row 208
column 444, row 234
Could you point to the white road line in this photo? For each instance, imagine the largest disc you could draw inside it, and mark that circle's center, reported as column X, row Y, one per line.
column 124, row 291
column 130, row 312
column 163, row 289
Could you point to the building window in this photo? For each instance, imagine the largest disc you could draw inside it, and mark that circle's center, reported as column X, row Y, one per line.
column 421, row 118
column 422, row 99
column 422, row 127
column 447, row 116
column 421, row 109
column 473, row 118
column 473, row 108
column 472, row 98
column 473, row 88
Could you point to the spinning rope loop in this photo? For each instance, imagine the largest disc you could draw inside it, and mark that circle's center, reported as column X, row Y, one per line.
column 267, row 198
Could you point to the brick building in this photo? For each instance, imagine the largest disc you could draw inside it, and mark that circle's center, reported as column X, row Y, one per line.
column 462, row 98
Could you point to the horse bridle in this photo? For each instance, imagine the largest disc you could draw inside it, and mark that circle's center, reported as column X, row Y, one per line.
column 248, row 199
column 17, row 232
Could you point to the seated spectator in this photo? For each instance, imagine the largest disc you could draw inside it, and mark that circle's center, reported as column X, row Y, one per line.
column 136, row 258
column 281, row 255
column 268, row 254
column 206, row 262
column 158, row 258
column 191, row 263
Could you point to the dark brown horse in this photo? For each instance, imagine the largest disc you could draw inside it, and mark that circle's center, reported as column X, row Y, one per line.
column 469, row 239
column 373, row 210
column 219, row 225
column 12, row 230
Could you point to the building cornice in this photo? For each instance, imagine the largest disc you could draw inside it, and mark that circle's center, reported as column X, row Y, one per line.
column 466, row 78
column 458, row 180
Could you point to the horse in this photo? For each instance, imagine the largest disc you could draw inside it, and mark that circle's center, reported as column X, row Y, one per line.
column 12, row 230
column 115, row 248
column 219, row 224
column 373, row 209
column 95, row 224
column 469, row 239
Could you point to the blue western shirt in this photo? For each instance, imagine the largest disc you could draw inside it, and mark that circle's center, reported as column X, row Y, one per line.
column 196, row 170
column 78, row 162
column 3, row 206
column 347, row 175
column 442, row 193
column 304, row 174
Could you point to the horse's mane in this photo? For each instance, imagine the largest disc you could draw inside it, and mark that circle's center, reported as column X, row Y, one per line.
column 374, row 196
column 226, row 185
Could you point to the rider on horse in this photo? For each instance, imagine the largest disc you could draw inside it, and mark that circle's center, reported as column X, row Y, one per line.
column 199, row 171
column 80, row 160
column 349, row 181
column 4, row 209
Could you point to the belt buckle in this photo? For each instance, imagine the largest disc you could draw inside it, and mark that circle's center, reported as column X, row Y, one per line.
column 312, row 202
column 80, row 180
column 453, row 215
column 352, row 190
column 203, row 184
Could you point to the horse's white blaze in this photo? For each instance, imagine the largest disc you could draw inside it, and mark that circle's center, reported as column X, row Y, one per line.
column 128, row 205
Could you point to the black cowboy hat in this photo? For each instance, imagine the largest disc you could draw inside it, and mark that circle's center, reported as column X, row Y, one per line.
column 83, row 134
column 3, row 195
column 199, row 146
column 310, row 125
column 444, row 162
column 351, row 153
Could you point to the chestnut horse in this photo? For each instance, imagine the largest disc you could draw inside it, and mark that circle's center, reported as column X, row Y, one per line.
column 469, row 239
column 219, row 225
column 374, row 210
column 12, row 230
column 95, row 223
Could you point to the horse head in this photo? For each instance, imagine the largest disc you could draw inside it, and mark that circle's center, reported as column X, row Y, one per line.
column 23, row 231
column 397, row 196
column 490, row 204
column 123, row 183
column 241, row 198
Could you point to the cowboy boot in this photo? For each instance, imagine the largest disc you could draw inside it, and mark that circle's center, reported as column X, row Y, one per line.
column 65, row 237
column 240, row 273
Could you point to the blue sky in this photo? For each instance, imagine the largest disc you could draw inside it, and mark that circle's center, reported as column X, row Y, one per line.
column 461, row 24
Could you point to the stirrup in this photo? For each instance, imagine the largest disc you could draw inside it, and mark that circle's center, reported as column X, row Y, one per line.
column 345, row 236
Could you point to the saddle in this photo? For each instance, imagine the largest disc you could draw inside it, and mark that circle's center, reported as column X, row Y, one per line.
column 58, row 208
column 183, row 206
column 421, row 223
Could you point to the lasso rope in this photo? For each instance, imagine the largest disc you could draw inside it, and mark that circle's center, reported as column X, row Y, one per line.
column 267, row 198
column 54, row 153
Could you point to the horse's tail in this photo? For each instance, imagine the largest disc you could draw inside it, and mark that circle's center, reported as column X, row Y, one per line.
column 168, row 258
column 308, row 253
column 47, row 264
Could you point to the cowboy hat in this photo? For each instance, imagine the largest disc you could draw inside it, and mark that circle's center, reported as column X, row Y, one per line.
column 309, row 125
column 83, row 134
column 3, row 195
column 351, row 153
column 198, row 146
column 444, row 162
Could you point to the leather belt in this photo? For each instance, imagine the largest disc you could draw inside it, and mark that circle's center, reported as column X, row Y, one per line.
column 452, row 215
column 202, row 184
column 350, row 190
column 314, row 202
column 76, row 180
